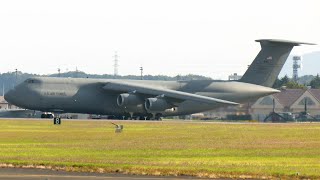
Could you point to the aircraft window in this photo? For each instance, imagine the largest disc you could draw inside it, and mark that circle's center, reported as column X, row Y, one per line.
column 29, row 81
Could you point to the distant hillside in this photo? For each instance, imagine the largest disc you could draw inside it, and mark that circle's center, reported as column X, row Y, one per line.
column 310, row 65
column 81, row 74
column 9, row 79
column 306, row 79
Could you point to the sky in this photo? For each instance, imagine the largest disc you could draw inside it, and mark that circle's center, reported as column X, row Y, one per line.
column 165, row 37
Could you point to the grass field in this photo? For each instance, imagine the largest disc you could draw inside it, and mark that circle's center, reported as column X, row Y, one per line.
column 166, row 148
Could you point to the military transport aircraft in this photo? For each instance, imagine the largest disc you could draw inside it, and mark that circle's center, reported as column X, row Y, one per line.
column 153, row 99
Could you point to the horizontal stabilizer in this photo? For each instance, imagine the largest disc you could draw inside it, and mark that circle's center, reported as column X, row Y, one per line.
column 293, row 43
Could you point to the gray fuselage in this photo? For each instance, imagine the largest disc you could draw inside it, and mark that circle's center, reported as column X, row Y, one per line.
column 79, row 95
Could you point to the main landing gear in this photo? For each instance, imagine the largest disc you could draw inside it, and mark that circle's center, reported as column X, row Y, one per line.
column 136, row 116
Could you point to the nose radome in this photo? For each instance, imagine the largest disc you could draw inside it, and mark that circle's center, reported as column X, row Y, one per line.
column 9, row 96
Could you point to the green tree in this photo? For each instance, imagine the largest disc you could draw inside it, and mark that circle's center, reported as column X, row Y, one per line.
column 281, row 82
column 294, row 85
column 315, row 82
column 277, row 83
column 284, row 80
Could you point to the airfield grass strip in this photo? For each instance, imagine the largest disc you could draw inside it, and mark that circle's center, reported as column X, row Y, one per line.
column 165, row 148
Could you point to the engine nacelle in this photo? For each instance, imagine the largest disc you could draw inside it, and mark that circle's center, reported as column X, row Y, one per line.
column 131, row 102
column 156, row 105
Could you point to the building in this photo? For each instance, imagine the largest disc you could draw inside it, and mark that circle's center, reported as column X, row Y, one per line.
column 234, row 77
column 5, row 105
column 288, row 100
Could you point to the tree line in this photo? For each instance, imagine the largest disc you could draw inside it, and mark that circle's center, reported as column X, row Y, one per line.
column 290, row 84
column 10, row 79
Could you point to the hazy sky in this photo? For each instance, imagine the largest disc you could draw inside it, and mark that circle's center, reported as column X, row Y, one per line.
column 168, row 37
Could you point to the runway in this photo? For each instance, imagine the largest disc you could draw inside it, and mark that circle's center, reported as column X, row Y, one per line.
column 46, row 174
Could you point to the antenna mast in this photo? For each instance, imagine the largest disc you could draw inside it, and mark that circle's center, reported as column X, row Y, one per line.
column 296, row 65
column 115, row 65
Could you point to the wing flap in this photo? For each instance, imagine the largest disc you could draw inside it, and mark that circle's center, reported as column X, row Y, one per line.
column 166, row 93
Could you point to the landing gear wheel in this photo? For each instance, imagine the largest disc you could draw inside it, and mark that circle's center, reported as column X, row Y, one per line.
column 149, row 117
column 158, row 117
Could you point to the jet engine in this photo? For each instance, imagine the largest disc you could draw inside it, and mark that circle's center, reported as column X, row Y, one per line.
column 131, row 102
column 156, row 104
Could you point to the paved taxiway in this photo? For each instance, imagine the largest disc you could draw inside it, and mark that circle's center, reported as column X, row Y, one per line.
column 46, row 174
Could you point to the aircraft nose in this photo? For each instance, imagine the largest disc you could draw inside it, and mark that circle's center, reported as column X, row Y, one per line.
column 10, row 96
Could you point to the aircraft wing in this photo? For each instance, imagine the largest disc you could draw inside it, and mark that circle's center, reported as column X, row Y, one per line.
column 162, row 92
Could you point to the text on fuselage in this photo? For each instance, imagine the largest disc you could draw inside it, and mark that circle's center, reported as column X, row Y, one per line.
column 55, row 93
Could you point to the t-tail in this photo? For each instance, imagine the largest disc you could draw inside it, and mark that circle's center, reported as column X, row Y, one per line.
column 266, row 67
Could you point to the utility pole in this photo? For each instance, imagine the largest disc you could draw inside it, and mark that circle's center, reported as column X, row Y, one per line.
column 59, row 72
column 76, row 72
column 141, row 71
column 16, row 81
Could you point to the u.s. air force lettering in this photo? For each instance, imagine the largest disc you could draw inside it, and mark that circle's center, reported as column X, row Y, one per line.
column 52, row 93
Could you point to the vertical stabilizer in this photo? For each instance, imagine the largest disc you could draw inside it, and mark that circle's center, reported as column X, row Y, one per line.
column 266, row 67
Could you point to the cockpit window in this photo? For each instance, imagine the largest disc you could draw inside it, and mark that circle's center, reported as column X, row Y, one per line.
column 31, row 81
